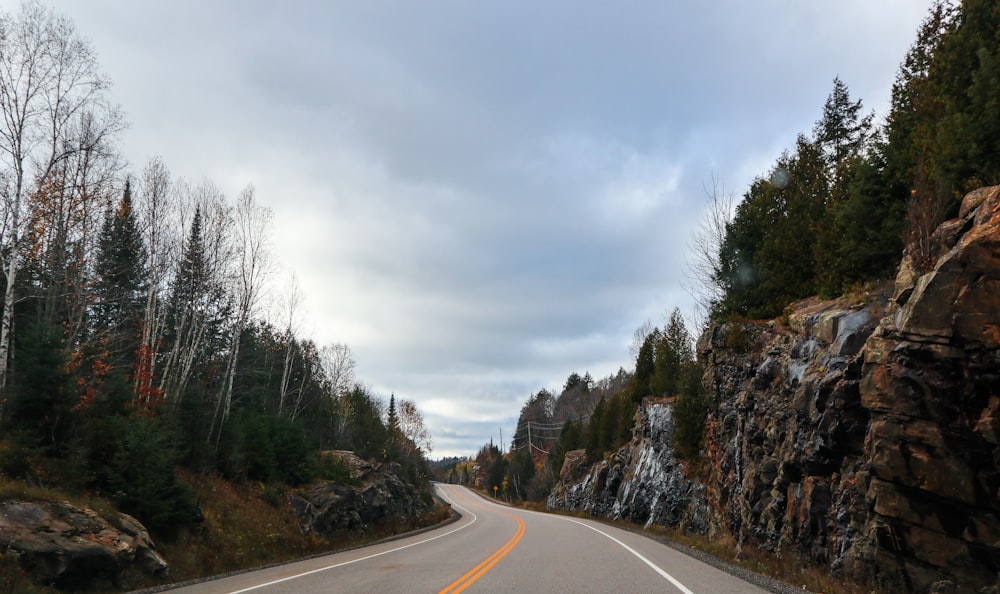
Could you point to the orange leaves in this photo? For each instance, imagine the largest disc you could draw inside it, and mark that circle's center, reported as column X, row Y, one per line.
column 147, row 395
column 94, row 368
column 92, row 380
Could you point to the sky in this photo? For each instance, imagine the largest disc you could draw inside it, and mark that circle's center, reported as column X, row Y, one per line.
column 480, row 198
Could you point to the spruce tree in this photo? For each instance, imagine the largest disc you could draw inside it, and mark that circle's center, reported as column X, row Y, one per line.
column 117, row 315
column 842, row 132
column 673, row 354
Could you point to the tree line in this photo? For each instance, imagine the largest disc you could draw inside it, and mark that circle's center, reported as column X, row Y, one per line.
column 596, row 417
column 139, row 327
column 842, row 206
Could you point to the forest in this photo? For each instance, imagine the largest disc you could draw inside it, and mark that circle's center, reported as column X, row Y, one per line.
column 144, row 325
column 834, row 215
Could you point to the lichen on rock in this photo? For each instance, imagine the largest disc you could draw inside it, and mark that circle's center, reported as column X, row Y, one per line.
column 73, row 547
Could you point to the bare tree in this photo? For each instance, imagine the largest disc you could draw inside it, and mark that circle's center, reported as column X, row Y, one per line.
column 292, row 304
column 310, row 366
column 638, row 337
column 926, row 208
column 198, row 296
column 703, row 262
column 53, row 105
column 156, row 209
column 338, row 367
column 411, row 425
column 252, row 267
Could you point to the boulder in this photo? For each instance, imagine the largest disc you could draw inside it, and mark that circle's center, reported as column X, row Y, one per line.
column 71, row 548
column 378, row 496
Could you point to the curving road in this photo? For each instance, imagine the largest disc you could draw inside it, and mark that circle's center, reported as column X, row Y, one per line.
column 494, row 548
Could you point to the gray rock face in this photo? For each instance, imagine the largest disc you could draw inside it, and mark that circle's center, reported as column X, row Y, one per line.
column 641, row 482
column 74, row 548
column 786, row 431
column 379, row 496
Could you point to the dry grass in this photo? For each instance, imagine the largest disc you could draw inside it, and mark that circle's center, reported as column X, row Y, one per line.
column 788, row 567
column 252, row 526
column 245, row 526
column 20, row 490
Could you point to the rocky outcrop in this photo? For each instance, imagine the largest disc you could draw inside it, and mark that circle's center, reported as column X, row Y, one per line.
column 931, row 383
column 376, row 495
column 641, row 482
column 74, row 548
column 863, row 433
column 785, row 437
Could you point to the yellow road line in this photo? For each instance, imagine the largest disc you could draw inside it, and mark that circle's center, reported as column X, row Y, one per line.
column 479, row 570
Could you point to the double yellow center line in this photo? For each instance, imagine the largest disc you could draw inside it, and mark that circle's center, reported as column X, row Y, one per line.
column 478, row 571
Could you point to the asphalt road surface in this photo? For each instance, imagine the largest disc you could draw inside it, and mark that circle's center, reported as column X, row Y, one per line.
column 495, row 548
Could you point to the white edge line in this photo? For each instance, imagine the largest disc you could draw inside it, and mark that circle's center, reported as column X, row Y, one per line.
column 655, row 567
column 412, row 544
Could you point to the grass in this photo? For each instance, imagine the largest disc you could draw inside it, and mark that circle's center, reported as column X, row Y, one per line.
column 20, row 490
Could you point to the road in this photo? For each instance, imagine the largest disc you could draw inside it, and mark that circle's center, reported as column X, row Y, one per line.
column 494, row 548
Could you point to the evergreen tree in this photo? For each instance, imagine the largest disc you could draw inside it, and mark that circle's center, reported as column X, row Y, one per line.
column 842, row 133
column 673, row 353
column 690, row 412
column 596, row 445
column 42, row 403
column 117, row 315
column 392, row 417
column 191, row 281
column 121, row 274
column 762, row 267
column 738, row 275
column 645, row 367
column 570, row 438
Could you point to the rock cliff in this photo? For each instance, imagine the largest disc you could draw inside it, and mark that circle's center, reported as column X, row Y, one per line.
column 74, row 548
column 641, row 482
column 862, row 432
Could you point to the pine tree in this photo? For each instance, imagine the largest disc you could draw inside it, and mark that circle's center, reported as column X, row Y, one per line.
column 841, row 132
column 121, row 268
column 645, row 367
column 192, row 275
column 117, row 315
column 673, row 353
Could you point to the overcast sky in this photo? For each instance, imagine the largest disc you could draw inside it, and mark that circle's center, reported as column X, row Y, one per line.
column 481, row 198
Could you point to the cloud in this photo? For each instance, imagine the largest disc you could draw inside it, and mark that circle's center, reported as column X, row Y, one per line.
column 481, row 198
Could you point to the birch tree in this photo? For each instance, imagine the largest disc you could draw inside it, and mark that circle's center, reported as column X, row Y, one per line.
column 251, row 269
column 156, row 210
column 198, row 299
column 338, row 367
column 50, row 91
column 292, row 305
